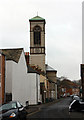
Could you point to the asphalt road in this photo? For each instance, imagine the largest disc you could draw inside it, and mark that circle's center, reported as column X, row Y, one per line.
column 57, row 110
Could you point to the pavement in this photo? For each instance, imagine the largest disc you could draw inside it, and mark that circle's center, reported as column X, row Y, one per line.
column 36, row 108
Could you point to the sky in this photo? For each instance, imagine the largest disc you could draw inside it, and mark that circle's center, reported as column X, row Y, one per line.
column 63, row 29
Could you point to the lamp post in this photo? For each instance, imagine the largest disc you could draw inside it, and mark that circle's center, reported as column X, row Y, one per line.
column 44, row 96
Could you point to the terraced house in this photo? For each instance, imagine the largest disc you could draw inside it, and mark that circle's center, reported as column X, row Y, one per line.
column 22, row 84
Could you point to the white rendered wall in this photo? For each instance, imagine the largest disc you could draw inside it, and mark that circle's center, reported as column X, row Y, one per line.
column 19, row 83
column 34, row 88
column 9, row 65
column 23, row 86
column 39, row 97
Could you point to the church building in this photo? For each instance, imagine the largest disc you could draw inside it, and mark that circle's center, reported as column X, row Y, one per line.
column 48, row 85
column 37, row 42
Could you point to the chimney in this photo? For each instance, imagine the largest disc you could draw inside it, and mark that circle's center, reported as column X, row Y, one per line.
column 27, row 57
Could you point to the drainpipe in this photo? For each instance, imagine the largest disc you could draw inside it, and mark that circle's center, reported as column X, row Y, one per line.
column 5, row 82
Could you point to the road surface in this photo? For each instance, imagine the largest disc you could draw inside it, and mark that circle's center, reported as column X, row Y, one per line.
column 57, row 110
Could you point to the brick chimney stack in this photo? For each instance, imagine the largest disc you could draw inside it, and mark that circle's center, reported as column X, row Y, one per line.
column 27, row 57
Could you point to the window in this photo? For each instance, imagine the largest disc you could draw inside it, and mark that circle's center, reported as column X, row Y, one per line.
column 37, row 35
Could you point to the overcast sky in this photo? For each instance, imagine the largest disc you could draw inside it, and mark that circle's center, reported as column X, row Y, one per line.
column 63, row 31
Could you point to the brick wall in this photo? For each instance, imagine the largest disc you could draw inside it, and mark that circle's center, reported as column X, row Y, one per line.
column 2, row 78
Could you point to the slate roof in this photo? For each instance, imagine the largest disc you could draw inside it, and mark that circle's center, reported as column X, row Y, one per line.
column 31, row 70
column 37, row 18
column 49, row 68
column 68, row 84
column 12, row 54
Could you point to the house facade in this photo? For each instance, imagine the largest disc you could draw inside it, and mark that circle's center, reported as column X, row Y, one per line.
column 19, row 83
column 52, row 82
column 43, row 87
column 34, row 86
column 67, row 88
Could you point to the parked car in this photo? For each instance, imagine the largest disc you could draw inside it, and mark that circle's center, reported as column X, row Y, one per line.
column 13, row 111
column 76, row 105
column 75, row 97
column 72, row 96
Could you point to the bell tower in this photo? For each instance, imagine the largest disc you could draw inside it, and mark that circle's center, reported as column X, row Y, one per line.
column 37, row 42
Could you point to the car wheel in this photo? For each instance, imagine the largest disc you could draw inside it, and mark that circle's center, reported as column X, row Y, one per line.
column 25, row 118
column 71, row 110
column 19, row 118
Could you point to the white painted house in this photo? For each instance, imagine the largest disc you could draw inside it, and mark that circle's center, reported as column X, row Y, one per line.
column 22, row 85
column 34, row 83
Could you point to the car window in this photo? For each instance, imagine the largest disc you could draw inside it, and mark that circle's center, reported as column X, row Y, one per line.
column 14, row 105
column 8, row 106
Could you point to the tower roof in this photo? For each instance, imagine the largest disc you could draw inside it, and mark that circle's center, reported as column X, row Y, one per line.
column 37, row 18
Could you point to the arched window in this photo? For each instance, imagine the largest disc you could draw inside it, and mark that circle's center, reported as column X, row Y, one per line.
column 37, row 35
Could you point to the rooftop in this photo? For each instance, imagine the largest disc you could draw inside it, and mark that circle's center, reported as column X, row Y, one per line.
column 12, row 54
column 31, row 70
column 49, row 68
column 37, row 18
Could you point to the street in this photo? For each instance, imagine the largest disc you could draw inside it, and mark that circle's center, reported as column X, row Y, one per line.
column 57, row 110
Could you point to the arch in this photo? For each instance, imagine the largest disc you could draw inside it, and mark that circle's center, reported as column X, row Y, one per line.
column 37, row 35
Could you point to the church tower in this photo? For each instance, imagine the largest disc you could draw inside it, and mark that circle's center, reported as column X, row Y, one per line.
column 37, row 42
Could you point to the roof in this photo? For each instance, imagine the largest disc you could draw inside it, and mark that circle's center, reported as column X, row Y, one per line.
column 48, row 68
column 38, row 69
column 12, row 54
column 31, row 70
column 37, row 18
column 68, row 84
